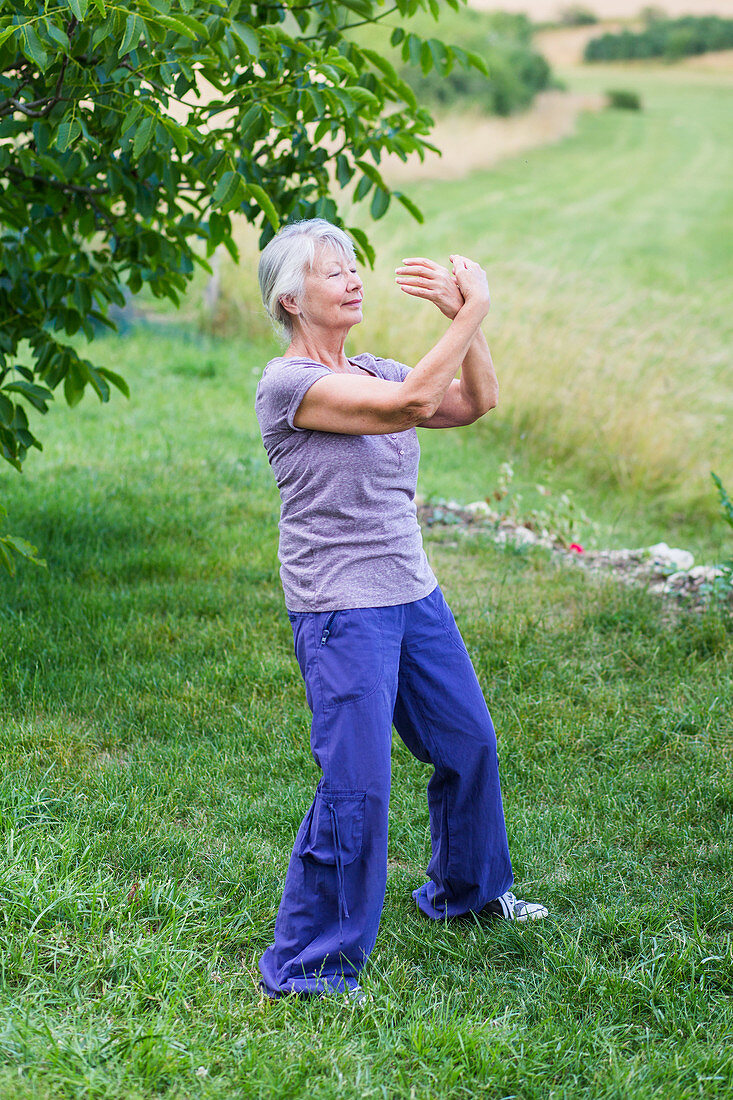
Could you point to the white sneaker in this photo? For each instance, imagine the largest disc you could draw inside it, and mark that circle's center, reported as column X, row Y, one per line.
column 509, row 907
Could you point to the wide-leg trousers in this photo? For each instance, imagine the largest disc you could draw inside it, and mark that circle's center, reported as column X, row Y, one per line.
column 365, row 669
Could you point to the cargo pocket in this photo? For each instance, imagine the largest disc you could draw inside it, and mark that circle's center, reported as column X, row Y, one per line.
column 333, row 836
column 336, row 827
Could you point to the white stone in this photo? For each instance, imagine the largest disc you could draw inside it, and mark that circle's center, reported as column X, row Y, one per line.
column 704, row 573
column 480, row 508
column 668, row 557
column 524, row 537
column 677, row 580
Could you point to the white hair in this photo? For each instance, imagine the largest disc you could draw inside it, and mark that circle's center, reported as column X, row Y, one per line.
column 286, row 260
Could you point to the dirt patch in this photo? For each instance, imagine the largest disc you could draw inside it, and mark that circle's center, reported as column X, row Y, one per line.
column 471, row 142
column 720, row 61
column 564, row 47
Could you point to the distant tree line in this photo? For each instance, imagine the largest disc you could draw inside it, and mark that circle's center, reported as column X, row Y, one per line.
column 668, row 38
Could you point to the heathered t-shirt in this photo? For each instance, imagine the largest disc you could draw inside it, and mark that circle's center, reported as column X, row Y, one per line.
column 349, row 535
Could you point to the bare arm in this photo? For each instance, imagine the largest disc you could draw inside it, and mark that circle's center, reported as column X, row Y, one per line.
column 477, row 390
column 355, row 405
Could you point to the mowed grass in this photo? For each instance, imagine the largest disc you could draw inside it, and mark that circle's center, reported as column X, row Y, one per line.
column 155, row 766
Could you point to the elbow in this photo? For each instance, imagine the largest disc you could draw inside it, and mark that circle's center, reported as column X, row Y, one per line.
column 489, row 402
column 414, row 413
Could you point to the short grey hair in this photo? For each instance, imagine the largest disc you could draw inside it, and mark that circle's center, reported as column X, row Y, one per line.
column 288, row 257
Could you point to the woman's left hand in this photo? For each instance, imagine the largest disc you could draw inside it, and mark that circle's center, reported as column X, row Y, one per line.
column 424, row 278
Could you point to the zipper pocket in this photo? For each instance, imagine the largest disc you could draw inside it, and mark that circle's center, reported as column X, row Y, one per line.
column 327, row 627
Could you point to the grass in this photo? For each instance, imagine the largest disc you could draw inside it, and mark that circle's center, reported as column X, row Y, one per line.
column 154, row 733
column 154, row 741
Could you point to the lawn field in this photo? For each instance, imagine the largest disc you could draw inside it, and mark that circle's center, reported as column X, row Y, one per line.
column 153, row 727
column 155, row 767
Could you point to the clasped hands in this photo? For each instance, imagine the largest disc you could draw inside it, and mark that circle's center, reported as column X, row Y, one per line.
column 423, row 278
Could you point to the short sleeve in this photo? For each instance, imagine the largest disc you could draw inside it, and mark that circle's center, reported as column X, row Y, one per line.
column 281, row 389
column 389, row 369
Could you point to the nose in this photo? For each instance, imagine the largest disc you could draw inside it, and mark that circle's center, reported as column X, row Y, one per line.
column 355, row 282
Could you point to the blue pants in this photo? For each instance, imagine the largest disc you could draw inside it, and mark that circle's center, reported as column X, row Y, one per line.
column 365, row 669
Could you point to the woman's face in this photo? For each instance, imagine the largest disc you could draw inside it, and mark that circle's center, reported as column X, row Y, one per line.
column 332, row 293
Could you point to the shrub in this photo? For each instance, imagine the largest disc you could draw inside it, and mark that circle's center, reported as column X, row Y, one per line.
column 670, row 38
column 577, row 16
column 622, row 99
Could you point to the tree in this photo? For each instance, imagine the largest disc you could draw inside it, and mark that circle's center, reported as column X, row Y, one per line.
column 130, row 134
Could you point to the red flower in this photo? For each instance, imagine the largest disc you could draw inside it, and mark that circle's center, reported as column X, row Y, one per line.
column 576, row 547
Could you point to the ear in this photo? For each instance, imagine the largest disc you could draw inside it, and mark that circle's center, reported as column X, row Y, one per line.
column 289, row 304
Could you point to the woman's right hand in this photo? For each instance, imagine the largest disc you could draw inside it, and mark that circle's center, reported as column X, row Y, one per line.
column 472, row 281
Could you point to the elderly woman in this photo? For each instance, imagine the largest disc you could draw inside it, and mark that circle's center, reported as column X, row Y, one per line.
column 375, row 640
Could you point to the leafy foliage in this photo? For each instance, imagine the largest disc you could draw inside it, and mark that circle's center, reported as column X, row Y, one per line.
column 669, row 38
column 516, row 72
column 130, row 135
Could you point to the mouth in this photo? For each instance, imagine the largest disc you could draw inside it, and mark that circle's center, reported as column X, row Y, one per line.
column 355, row 302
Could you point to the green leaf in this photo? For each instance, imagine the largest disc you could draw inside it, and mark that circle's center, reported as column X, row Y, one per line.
column 265, row 203
column 477, row 62
column 7, row 411
column 67, row 133
column 370, row 171
column 59, row 36
column 344, row 171
column 7, row 32
column 117, row 380
column 363, row 188
column 248, row 37
column 227, row 188
column 134, row 27
column 73, row 387
column 38, row 396
column 380, row 203
column 5, row 559
column 78, row 8
column 409, row 205
column 131, row 117
column 143, row 136
column 363, row 245
column 33, row 47
column 24, row 548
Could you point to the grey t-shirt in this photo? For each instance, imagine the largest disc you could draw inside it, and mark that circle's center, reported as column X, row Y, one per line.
column 349, row 535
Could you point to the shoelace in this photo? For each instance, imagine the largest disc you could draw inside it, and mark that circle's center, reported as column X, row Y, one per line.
column 508, row 903
column 343, row 908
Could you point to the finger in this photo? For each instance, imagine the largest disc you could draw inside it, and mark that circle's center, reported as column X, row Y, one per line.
column 416, row 280
column 420, row 292
column 434, row 272
column 416, row 272
column 420, row 260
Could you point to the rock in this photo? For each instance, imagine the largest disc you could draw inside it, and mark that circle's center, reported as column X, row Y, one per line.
column 704, row 574
column 523, row 536
column 481, row 508
column 676, row 582
column 667, row 557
